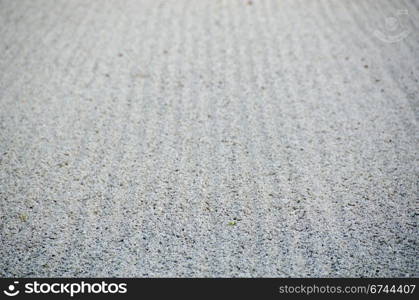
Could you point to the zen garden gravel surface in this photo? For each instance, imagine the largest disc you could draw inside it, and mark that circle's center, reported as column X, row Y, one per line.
column 209, row 138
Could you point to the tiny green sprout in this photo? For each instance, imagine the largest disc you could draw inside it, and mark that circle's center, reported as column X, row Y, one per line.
column 232, row 223
column 23, row 217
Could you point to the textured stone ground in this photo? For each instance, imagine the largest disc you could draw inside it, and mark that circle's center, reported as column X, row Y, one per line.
column 209, row 138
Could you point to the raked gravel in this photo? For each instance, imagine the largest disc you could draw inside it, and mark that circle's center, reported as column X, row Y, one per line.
column 209, row 138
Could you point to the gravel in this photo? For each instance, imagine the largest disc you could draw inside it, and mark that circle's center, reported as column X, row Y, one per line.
column 209, row 138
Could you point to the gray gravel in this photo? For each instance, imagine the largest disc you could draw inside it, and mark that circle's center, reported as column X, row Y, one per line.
column 209, row 138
